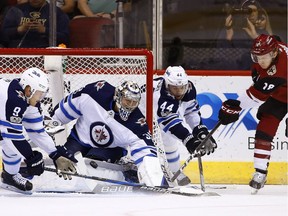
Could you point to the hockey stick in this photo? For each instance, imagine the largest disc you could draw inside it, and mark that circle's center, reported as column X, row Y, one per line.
column 195, row 154
column 135, row 186
column 200, row 166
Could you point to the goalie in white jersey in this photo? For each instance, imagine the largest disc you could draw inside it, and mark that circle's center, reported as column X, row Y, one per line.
column 108, row 122
column 20, row 101
column 178, row 115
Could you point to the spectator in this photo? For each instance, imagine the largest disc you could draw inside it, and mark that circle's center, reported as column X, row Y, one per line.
column 176, row 53
column 27, row 25
column 98, row 8
column 67, row 6
column 253, row 20
column 3, row 8
column 242, row 25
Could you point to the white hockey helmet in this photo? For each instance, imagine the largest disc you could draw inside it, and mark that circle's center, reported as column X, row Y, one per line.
column 36, row 79
column 127, row 97
column 176, row 77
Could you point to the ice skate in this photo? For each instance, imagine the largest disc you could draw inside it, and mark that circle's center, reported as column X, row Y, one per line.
column 257, row 182
column 15, row 183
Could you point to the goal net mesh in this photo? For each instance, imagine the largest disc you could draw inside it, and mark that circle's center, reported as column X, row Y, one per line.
column 70, row 69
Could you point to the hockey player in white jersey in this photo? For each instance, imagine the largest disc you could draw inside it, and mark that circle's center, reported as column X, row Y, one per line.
column 20, row 110
column 177, row 110
column 108, row 122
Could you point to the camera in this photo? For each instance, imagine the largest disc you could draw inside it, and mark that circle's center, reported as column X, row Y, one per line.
column 241, row 11
column 239, row 14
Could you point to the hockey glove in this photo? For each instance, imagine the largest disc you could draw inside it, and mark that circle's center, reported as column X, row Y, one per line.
column 35, row 164
column 200, row 132
column 229, row 111
column 191, row 143
column 63, row 160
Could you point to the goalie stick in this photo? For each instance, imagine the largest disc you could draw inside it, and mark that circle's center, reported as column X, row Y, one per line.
column 185, row 164
column 138, row 187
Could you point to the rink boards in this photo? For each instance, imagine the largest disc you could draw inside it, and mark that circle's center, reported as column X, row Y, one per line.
column 232, row 161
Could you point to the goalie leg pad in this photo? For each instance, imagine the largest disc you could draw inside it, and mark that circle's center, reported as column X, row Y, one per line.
column 150, row 173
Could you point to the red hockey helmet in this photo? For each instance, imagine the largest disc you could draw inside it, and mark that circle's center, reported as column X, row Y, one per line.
column 264, row 44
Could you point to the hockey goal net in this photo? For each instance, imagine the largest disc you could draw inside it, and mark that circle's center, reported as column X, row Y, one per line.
column 71, row 69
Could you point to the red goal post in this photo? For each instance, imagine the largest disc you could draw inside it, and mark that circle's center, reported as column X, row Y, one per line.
column 71, row 69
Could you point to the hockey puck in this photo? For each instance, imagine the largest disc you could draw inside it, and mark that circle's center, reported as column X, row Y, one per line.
column 93, row 164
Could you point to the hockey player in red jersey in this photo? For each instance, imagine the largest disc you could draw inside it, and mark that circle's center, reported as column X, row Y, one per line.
column 269, row 93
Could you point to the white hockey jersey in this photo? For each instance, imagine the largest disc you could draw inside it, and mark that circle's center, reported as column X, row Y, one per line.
column 16, row 115
column 98, row 126
column 174, row 115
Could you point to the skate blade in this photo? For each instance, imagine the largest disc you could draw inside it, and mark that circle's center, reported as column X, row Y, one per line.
column 14, row 189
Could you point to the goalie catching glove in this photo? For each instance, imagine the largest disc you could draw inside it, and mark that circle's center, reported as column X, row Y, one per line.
column 63, row 160
column 194, row 140
column 229, row 111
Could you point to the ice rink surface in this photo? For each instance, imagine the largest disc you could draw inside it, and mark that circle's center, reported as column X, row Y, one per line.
column 235, row 200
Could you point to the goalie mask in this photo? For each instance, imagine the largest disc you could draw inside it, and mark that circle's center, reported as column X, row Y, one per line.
column 127, row 97
column 176, row 81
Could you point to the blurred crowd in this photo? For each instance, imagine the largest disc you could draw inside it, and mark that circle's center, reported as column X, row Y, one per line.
column 195, row 36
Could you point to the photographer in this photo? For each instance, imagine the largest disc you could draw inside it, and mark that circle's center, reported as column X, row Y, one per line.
column 243, row 24
column 252, row 18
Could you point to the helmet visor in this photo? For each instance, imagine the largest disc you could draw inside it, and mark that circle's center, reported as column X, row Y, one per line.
column 262, row 58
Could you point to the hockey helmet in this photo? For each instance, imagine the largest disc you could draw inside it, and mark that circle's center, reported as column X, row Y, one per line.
column 36, row 79
column 127, row 97
column 262, row 45
column 176, row 77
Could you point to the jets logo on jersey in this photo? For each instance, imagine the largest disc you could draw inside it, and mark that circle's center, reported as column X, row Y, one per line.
column 99, row 85
column 141, row 121
column 101, row 135
column 272, row 70
column 21, row 95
